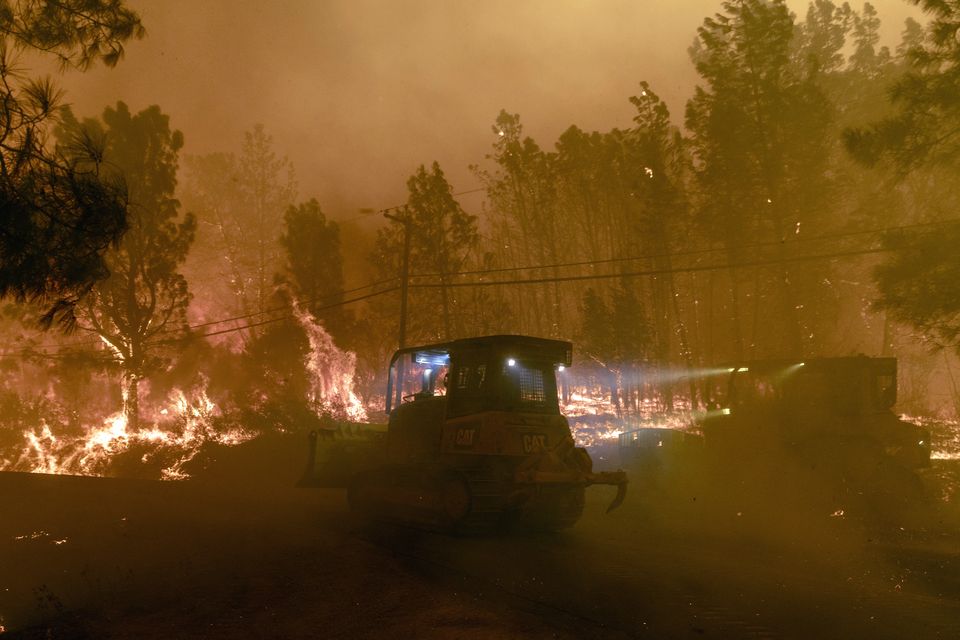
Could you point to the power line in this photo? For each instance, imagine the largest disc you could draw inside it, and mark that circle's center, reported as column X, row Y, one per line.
column 400, row 206
column 488, row 283
column 288, row 316
column 312, row 298
column 284, row 308
column 222, row 320
column 650, row 272
column 690, row 252
column 521, row 281
column 459, row 193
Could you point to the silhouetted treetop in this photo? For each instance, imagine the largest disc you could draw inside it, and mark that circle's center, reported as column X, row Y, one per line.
column 77, row 32
column 314, row 263
column 59, row 212
column 926, row 126
column 55, row 223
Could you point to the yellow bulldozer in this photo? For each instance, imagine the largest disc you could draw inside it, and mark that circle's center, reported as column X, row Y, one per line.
column 820, row 408
column 823, row 420
column 475, row 442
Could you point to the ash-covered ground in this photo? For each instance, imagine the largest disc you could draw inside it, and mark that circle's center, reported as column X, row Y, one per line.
column 240, row 552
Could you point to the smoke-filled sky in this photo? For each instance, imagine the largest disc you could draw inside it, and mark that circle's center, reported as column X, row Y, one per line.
column 357, row 93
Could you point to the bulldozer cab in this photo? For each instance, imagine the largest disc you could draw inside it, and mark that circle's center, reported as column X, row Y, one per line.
column 476, row 396
column 475, row 375
column 416, row 375
column 854, row 386
column 838, row 409
column 787, row 403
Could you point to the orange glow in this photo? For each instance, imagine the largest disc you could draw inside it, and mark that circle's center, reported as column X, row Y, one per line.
column 178, row 430
column 331, row 371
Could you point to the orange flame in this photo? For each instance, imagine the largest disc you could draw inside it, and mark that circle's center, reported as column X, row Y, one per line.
column 331, row 372
column 945, row 434
column 595, row 420
column 185, row 428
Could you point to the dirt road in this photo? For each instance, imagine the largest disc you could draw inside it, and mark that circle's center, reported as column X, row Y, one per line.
column 100, row 558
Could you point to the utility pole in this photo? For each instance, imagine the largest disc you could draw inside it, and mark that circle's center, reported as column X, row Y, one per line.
column 404, row 274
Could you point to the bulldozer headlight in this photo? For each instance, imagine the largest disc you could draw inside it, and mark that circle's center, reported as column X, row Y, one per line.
column 561, row 368
column 725, row 411
column 511, row 362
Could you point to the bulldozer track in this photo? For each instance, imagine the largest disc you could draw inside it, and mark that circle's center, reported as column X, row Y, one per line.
column 488, row 502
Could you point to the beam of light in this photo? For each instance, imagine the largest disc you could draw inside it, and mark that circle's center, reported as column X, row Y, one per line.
column 675, row 374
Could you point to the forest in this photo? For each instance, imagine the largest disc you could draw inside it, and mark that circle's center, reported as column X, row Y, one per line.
column 803, row 204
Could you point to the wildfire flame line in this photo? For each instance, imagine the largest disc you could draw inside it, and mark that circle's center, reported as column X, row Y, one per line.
column 186, row 426
column 331, row 372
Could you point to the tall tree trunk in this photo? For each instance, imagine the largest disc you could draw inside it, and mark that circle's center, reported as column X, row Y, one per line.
column 886, row 349
column 528, row 233
column 661, row 312
column 685, row 352
column 445, row 299
column 755, row 339
column 735, row 310
column 130, row 391
column 261, row 262
column 794, row 335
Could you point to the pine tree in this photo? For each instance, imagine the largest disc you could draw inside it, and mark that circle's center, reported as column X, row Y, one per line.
column 59, row 215
column 313, row 265
column 919, row 145
column 443, row 236
column 759, row 132
column 141, row 307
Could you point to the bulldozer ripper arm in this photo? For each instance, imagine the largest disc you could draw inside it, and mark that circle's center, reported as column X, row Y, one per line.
column 617, row 478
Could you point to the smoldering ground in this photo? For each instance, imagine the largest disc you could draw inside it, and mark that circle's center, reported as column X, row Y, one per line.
column 241, row 551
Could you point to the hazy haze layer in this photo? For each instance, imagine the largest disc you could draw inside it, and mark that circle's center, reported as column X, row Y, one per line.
column 359, row 92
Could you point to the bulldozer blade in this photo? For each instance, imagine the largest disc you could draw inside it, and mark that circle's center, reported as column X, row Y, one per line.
column 332, row 462
column 621, row 494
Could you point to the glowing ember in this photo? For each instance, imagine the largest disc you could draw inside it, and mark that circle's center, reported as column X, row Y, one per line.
column 40, row 535
column 585, row 404
column 331, row 374
column 945, row 436
column 595, row 420
column 592, row 434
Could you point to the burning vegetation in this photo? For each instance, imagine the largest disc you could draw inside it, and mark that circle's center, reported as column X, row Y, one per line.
column 220, row 309
column 761, row 287
column 166, row 441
